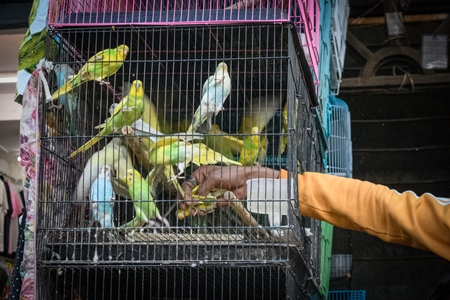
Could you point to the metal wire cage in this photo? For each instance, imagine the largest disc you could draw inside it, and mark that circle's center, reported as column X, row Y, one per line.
column 171, row 282
column 271, row 89
column 304, row 15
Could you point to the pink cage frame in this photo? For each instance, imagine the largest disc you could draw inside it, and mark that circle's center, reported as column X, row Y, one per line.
column 304, row 14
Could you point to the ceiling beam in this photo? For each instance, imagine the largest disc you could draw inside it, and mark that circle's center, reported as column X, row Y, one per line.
column 353, row 41
column 406, row 19
column 396, row 81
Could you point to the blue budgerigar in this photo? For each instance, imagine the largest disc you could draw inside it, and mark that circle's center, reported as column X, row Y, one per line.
column 68, row 101
column 102, row 198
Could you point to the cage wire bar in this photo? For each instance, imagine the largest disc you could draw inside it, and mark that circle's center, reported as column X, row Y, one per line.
column 271, row 89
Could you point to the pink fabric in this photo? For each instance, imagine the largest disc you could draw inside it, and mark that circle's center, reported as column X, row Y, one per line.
column 16, row 212
column 17, row 208
column 29, row 154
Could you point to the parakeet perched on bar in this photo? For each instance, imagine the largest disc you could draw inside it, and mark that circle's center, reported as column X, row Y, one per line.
column 103, row 64
column 128, row 111
column 149, row 115
column 144, row 205
column 102, row 198
column 215, row 91
column 149, row 112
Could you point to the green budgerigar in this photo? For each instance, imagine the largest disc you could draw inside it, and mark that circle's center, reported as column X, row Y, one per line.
column 182, row 153
column 143, row 202
column 103, row 64
column 128, row 111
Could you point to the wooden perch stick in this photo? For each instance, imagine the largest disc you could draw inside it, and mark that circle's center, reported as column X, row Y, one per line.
column 135, row 144
column 245, row 215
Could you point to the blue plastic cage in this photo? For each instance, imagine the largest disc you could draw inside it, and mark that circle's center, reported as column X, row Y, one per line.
column 339, row 139
column 347, row 295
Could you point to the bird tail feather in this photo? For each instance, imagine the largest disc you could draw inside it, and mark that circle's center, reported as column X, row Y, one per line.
column 86, row 146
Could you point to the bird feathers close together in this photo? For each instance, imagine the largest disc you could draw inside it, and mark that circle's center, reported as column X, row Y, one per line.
column 113, row 172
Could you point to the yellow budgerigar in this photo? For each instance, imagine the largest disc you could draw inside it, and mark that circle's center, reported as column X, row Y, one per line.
column 284, row 125
column 250, row 151
column 259, row 113
column 103, row 64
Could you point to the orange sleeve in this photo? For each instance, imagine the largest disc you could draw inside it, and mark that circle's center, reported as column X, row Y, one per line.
column 421, row 222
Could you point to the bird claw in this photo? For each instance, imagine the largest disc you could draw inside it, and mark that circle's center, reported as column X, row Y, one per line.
column 51, row 106
column 218, row 110
column 154, row 223
column 196, row 210
column 104, row 82
column 176, row 177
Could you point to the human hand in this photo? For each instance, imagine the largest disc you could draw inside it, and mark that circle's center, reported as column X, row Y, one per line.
column 231, row 178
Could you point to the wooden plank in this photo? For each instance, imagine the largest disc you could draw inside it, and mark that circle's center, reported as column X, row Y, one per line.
column 183, row 238
column 406, row 19
column 353, row 41
column 395, row 81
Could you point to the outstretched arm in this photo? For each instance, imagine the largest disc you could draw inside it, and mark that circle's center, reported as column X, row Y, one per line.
column 421, row 222
column 402, row 218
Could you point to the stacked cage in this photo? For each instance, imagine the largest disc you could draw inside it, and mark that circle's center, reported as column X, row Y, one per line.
column 340, row 160
column 139, row 109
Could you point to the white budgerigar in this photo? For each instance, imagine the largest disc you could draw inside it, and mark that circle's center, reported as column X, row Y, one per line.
column 114, row 154
column 214, row 93
column 102, row 198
